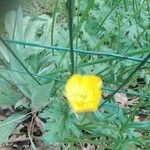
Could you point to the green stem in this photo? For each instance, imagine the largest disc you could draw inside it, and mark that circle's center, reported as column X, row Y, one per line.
column 70, row 25
column 84, row 17
column 109, row 13
column 53, row 23
column 77, row 34
column 128, row 78
column 20, row 62
column 101, row 24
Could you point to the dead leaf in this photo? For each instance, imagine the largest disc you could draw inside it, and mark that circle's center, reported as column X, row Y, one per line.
column 39, row 144
column 39, row 122
column 121, row 99
column 89, row 147
column 144, row 118
column 18, row 128
column 8, row 148
column 4, row 113
column 136, row 119
column 132, row 101
column 18, row 138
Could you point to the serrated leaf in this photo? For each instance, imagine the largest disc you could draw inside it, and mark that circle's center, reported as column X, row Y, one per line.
column 40, row 95
column 8, row 125
column 8, row 96
column 51, row 136
column 74, row 129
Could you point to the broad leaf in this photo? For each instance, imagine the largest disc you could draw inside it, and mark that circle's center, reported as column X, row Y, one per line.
column 8, row 96
column 8, row 125
column 40, row 95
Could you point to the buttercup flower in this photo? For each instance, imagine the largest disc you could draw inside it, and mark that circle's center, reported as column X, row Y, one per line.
column 83, row 92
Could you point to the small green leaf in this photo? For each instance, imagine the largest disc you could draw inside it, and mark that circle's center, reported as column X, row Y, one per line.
column 40, row 95
column 140, row 125
column 128, row 146
column 92, row 27
column 74, row 129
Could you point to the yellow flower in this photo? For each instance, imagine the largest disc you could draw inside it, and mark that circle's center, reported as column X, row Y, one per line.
column 83, row 92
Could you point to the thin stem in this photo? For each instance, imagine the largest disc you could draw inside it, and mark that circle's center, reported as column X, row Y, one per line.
column 20, row 62
column 77, row 34
column 53, row 23
column 109, row 13
column 126, row 9
column 63, row 81
column 70, row 24
column 128, row 78
column 83, row 18
column 101, row 24
column 79, row 51
column 7, row 80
